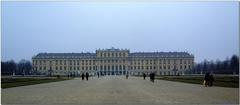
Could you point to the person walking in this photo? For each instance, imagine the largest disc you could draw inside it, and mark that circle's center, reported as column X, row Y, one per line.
column 206, row 79
column 82, row 76
column 211, row 79
column 87, row 75
column 144, row 76
column 127, row 76
column 151, row 76
column 98, row 74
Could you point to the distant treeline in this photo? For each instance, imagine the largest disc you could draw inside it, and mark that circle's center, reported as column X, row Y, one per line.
column 227, row 66
column 24, row 67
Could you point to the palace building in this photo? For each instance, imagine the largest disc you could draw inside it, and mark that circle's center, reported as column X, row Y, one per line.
column 113, row 62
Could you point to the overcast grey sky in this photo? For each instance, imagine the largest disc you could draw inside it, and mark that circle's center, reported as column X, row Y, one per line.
column 209, row 30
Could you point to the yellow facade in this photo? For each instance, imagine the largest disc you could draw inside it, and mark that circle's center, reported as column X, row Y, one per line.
column 113, row 62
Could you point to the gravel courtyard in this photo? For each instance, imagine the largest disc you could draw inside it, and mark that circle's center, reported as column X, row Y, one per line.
column 110, row 90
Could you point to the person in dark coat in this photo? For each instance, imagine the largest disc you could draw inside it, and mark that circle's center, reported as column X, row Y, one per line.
column 87, row 75
column 211, row 79
column 144, row 76
column 153, row 77
column 127, row 76
column 98, row 74
column 206, row 78
column 82, row 76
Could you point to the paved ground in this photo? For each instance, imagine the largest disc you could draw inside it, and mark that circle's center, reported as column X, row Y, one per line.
column 118, row 90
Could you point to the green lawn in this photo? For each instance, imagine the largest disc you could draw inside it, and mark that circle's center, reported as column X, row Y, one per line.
column 15, row 82
column 222, row 81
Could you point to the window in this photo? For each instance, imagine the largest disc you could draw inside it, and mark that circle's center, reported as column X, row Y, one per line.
column 56, row 68
column 90, row 62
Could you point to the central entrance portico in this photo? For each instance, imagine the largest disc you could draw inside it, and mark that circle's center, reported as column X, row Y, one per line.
column 112, row 61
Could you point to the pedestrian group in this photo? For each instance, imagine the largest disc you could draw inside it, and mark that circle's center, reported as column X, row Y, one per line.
column 87, row 75
column 208, row 80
